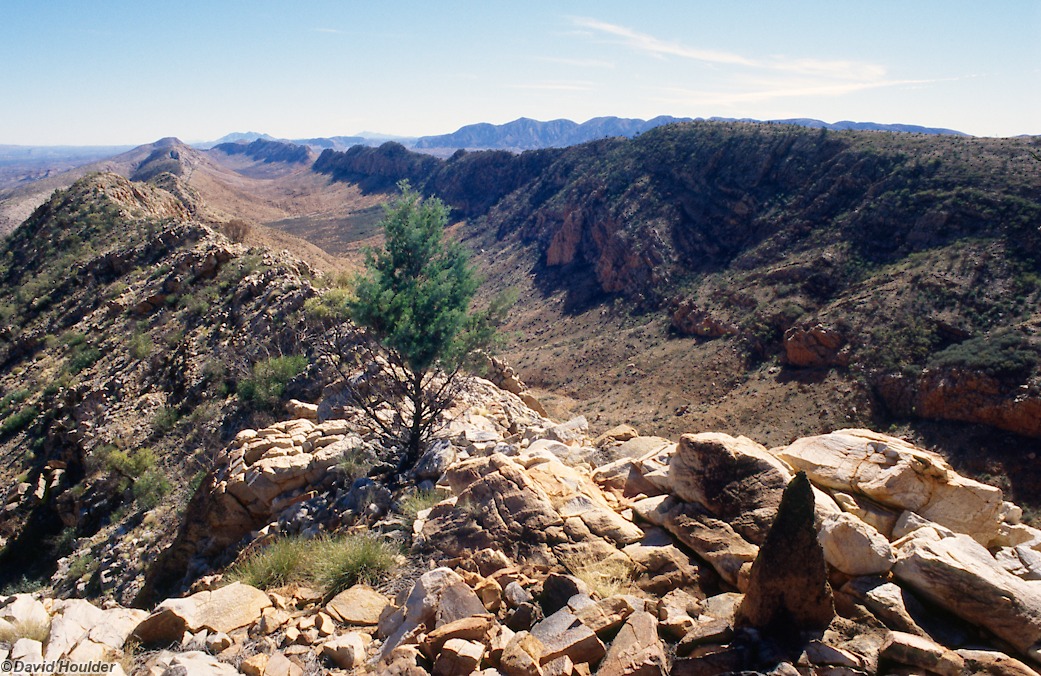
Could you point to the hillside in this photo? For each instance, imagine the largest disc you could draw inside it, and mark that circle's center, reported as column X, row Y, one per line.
column 725, row 275
column 190, row 491
column 127, row 325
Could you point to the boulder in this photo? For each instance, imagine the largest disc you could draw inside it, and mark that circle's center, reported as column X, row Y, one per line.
column 663, row 566
column 897, row 474
column 194, row 662
column 435, row 461
column 347, row 650
column 853, row 547
column 302, row 410
column 574, row 432
column 563, row 634
column 72, row 621
column 359, row 605
column 711, row 539
column 735, row 479
column 957, row 573
column 788, row 590
column 921, row 652
column 652, row 456
column 886, row 601
column 521, row 656
column 504, row 509
column 225, row 609
column 993, row 662
column 438, row 597
column 458, row 657
column 476, row 628
column 815, row 346
column 636, row 650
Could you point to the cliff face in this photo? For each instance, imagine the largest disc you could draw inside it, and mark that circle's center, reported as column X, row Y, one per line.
column 858, row 251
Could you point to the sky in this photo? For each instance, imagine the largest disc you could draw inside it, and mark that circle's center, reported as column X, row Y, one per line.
column 78, row 72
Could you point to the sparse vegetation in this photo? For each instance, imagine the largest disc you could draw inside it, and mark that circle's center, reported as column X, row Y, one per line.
column 265, row 387
column 605, row 577
column 330, row 563
column 30, row 629
column 1001, row 353
column 410, row 506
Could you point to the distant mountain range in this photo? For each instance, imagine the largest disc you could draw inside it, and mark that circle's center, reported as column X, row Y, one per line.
column 527, row 134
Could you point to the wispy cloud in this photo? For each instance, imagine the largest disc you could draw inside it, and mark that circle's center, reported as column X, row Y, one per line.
column 738, row 78
column 653, row 46
column 333, row 31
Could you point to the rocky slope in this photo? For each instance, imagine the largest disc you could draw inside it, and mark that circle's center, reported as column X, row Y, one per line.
column 553, row 553
column 128, row 327
column 146, row 362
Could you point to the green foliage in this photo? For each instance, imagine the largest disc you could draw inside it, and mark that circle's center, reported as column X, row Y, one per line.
column 415, row 295
column 410, row 506
column 141, row 345
column 414, row 302
column 130, row 464
column 164, row 419
column 278, row 564
column 23, row 585
column 330, row 563
column 330, row 305
column 345, row 562
column 1005, row 353
column 81, row 354
column 149, row 488
column 265, row 387
column 16, row 397
column 16, row 422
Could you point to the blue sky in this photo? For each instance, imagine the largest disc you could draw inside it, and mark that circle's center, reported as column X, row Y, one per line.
column 117, row 72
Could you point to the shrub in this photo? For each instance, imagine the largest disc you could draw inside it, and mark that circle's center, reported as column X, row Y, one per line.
column 16, row 397
column 141, row 346
column 128, row 464
column 331, row 305
column 164, row 419
column 344, row 562
column 330, row 563
column 236, row 230
column 1002, row 353
column 149, row 488
column 16, row 422
column 412, row 505
column 605, row 577
column 269, row 379
column 280, row 563
column 31, row 629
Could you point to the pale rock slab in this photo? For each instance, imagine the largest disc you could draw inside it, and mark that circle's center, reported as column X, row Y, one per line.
column 359, row 605
column 853, row 547
column 346, row 651
column 918, row 651
column 957, row 573
column 899, row 475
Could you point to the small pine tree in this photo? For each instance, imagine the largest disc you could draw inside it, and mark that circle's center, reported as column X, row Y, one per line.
column 413, row 305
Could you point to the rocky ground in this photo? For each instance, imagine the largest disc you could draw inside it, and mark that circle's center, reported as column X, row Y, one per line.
column 553, row 553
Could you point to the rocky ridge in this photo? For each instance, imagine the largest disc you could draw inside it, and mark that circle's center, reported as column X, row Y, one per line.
column 537, row 518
